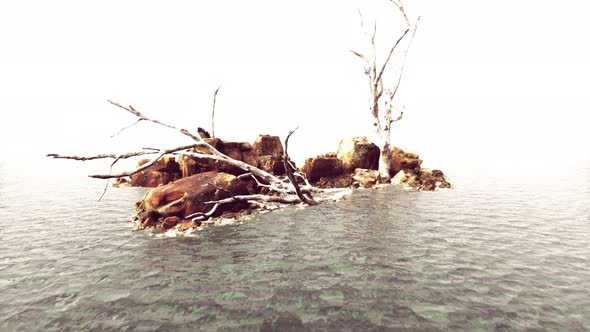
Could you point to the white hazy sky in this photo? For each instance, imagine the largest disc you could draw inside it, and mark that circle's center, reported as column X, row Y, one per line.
column 500, row 82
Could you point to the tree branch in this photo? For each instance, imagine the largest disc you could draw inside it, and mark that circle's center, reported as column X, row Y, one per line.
column 101, row 156
column 135, row 112
column 289, row 170
column 213, row 112
column 378, row 78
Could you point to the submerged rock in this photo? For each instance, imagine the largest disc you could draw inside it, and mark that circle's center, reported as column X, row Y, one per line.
column 358, row 152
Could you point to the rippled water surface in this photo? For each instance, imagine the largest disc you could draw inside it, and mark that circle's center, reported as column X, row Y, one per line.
column 499, row 252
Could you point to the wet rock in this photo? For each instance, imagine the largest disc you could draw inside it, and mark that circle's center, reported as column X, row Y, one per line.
column 322, row 166
column 358, row 152
column 365, row 177
column 169, row 222
column 188, row 195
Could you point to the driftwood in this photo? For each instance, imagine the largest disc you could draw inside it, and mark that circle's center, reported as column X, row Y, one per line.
column 282, row 191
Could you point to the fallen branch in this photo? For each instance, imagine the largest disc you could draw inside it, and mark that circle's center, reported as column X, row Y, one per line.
column 304, row 197
column 280, row 190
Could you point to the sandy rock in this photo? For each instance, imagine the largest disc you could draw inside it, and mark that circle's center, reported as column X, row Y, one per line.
column 358, row 152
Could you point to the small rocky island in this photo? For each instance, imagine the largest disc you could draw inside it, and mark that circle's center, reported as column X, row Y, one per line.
column 187, row 189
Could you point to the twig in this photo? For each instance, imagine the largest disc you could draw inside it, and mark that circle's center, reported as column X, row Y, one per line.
column 135, row 112
column 125, row 128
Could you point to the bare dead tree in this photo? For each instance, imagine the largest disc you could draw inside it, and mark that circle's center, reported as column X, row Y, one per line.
column 284, row 191
column 381, row 94
column 213, row 112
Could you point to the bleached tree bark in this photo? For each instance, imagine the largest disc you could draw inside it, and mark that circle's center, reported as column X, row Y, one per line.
column 382, row 95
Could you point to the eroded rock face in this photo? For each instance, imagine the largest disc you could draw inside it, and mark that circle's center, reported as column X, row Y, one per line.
column 268, row 151
column 187, row 196
column 358, row 152
column 161, row 172
column 322, row 166
column 267, row 145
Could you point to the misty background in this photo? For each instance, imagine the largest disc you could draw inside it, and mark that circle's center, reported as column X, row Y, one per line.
column 497, row 84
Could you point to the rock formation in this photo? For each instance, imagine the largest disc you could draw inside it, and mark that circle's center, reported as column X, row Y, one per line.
column 164, row 171
column 358, row 152
column 327, row 166
column 268, row 151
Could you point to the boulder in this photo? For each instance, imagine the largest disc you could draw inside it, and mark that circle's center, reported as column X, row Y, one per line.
column 272, row 164
column 266, row 145
column 365, row 177
column 163, row 171
column 187, row 196
column 399, row 178
column 164, row 164
column 358, row 152
column 236, row 150
column 153, row 178
column 322, row 166
column 268, row 151
column 402, row 160
column 343, row 180
column 424, row 179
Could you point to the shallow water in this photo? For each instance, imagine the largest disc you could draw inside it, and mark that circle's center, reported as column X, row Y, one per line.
column 499, row 252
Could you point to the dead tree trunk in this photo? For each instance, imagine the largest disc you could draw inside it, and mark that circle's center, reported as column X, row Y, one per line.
column 381, row 108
